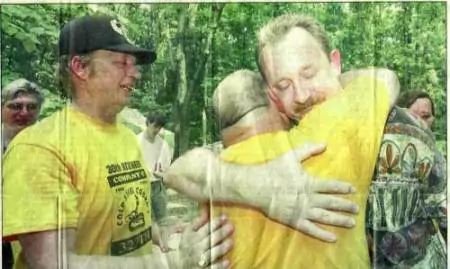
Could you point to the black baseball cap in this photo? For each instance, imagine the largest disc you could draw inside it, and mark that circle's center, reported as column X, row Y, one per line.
column 94, row 32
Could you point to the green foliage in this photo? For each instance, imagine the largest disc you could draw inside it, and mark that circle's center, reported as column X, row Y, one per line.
column 406, row 37
column 442, row 147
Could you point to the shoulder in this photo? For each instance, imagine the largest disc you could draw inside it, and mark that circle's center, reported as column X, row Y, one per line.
column 163, row 142
column 365, row 95
column 35, row 144
column 140, row 135
column 259, row 148
column 361, row 85
column 42, row 132
column 141, row 139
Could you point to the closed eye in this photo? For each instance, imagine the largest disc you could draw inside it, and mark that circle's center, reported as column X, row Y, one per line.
column 308, row 71
column 283, row 85
column 121, row 64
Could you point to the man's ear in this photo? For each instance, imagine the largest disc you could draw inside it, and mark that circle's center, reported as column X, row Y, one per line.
column 335, row 57
column 79, row 68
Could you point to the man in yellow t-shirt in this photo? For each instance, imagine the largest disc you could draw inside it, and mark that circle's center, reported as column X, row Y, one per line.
column 350, row 123
column 76, row 192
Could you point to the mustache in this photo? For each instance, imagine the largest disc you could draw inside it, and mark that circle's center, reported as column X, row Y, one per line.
column 306, row 106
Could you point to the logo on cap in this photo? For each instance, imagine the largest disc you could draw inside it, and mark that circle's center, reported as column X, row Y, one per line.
column 118, row 28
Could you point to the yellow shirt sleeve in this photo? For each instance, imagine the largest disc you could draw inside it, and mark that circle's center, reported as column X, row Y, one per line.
column 40, row 175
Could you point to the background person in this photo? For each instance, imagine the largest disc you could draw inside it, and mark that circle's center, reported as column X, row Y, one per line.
column 158, row 157
column 405, row 197
column 421, row 105
column 21, row 103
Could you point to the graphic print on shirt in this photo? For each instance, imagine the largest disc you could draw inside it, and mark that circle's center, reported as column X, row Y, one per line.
column 132, row 227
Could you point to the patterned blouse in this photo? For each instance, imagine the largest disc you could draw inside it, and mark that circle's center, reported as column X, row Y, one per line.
column 406, row 198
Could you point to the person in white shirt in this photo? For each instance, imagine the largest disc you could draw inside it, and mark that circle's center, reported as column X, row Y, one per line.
column 158, row 157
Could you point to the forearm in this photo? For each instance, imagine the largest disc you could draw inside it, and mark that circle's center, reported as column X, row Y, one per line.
column 74, row 261
column 279, row 188
column 241, row 184
column 201, row 175
column 386, row 75
column 55, row 249
column 79, row 262
column 155, row 260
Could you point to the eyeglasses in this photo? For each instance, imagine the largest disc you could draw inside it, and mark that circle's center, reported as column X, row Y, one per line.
column 20, row 106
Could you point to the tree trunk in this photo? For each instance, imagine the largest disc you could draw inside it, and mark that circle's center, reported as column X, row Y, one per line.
column 180, row 124
column 187, row 85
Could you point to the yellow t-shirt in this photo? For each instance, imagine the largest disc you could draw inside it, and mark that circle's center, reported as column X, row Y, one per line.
column 351, row 123
column 72, row 171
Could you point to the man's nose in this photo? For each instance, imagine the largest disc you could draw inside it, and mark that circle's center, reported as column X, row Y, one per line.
column 24, row 110
column 302, row 94
column 134, row 72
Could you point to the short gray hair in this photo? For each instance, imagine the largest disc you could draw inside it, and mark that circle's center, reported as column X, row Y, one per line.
column 239, row 93
column 277, row 28
column 64, row 73
column 21, row 86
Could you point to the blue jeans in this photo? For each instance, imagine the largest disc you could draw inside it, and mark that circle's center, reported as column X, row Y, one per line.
column 158, row 200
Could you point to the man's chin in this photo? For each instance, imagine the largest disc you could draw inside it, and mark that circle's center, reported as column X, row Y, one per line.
column 300, row 115
column 295, row 117
column 123, row 103
column 21, row 124
column 16, row 128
